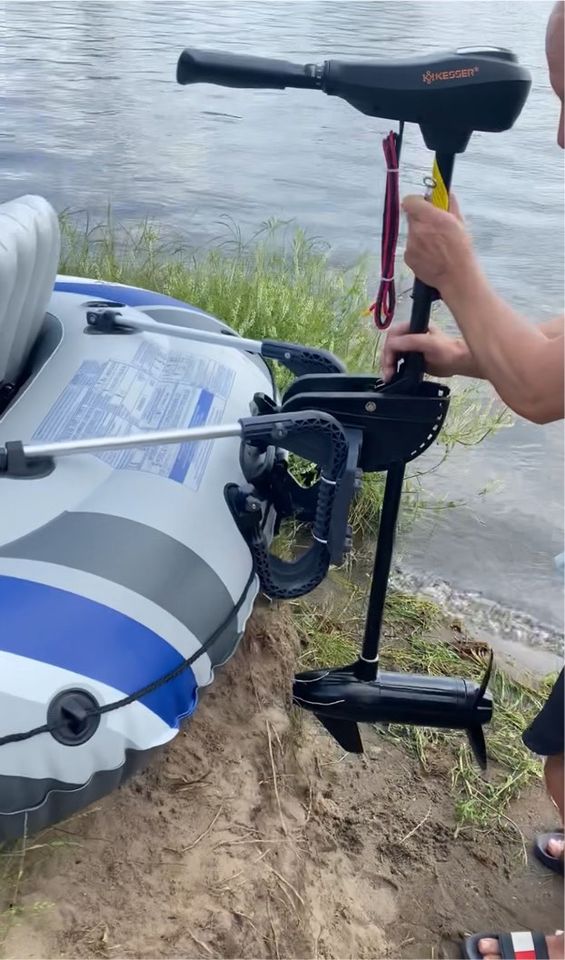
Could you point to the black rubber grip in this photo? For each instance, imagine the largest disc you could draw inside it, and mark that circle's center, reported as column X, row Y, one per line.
column 301, row 360
column 237, row 70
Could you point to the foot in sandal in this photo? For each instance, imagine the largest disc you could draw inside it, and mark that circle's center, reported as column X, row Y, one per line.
column 515, row 946
column 549, row 849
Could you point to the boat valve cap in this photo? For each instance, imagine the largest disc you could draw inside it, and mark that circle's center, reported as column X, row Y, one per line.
column 71, row 718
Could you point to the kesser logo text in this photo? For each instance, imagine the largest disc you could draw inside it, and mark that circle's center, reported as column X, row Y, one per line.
column 430, row 77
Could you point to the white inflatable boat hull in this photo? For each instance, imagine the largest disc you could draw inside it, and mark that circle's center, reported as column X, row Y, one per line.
column 116, row 567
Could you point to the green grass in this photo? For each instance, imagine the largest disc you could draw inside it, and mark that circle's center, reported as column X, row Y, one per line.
column 276, row 286
column 279, row 285
column 419, row 640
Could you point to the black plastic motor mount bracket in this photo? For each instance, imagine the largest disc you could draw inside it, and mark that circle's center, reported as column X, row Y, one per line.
column 293, row 500
column 315, row 436
column 385, row 424
column 309, row 433
column 396, row 426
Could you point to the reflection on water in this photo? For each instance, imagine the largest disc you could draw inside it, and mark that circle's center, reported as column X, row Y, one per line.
column 91, row 114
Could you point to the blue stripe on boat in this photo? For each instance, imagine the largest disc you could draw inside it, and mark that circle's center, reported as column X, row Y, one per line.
column 130, row 296
column 65, row 630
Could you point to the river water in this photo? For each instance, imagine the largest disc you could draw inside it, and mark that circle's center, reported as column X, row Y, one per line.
column 91, row 115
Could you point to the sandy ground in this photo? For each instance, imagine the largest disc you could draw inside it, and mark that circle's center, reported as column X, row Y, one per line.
column 253, row 837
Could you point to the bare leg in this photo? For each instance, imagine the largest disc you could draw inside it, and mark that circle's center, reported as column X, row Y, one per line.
column 554, row 780
column 554, row 774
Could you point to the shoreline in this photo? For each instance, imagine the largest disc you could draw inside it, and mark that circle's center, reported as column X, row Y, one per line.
column 527, row 647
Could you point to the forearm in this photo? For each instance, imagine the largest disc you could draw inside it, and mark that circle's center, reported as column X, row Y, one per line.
column 468, row 365
column 524, row 363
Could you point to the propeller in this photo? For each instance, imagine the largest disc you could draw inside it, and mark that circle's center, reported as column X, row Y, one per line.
column 340, row 699
column 475, row 733
column 345, row 732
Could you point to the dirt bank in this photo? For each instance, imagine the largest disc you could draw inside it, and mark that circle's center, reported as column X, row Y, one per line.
column 254, row 837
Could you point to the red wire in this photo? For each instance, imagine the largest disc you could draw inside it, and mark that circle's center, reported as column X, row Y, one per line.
column 385, row 303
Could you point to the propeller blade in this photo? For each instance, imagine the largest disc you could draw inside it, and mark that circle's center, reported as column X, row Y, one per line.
column 486, row 678
column 478, row 745
column 484, row 682
column 346, row 732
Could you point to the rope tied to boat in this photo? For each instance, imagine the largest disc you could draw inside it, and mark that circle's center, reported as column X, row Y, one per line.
column 143, row 691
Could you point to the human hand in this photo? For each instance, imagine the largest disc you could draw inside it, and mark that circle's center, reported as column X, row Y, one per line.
column 444, row 356
column 438, row 248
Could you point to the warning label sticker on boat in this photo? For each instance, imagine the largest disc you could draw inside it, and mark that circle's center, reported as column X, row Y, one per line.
column 155, row 390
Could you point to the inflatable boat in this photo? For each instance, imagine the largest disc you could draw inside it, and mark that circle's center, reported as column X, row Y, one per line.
column 120, row 564
column 143, row 475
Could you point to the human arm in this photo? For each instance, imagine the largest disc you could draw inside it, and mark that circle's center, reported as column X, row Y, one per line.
column 523, row 362
column 444, row 355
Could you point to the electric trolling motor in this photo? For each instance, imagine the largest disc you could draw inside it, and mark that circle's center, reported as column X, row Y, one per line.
column 449, row 96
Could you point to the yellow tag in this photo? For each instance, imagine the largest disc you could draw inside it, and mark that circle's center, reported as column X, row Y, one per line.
column 440, row 196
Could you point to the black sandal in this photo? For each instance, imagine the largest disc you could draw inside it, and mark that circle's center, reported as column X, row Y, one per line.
column 512, row 946
column 540, row 851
